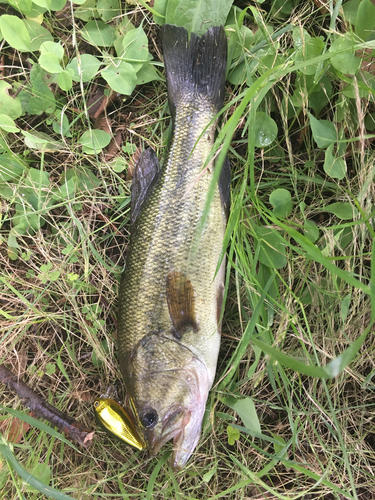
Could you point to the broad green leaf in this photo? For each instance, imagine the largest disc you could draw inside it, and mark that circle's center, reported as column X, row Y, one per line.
column 342, row 210
column 247, row 412
column 333, row 166
column 272, row 247
column 370, row 121
column 99, row 34
column 58, row 4
column 86, row 65
column 207, row 477
column 309, row 50
column 15, row 33
column 7, row 124
column 147, row 74
column 43, row 3
column 50, row 62
column 61, row 124
column 38, row 34
column 160, row 6
column 10, row 106
column 350, row 10
column 121, row 77
column 364, row 25
column 40, row 140
column 281, row 201
column 87, row 181
column 324, row 132
column 42, row 472
column 23, row 6
column 197, row 16
column 233, row 435
column 64, row 81
column 311, row 230
column 29, row 478
column 279, row 445
column 135, row 44
column 86, row 9
column 265, row 129
column 11, row 168
column 300, row 37
column 346, row 62
column 42, row 98
column 94, row 140
column 119, row 164
column 55, row 48
column 108, row 9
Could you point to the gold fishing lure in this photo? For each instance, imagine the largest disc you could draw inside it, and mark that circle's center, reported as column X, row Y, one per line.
column 116, row 422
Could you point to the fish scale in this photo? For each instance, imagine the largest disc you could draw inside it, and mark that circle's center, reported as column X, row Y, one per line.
column 170, row 294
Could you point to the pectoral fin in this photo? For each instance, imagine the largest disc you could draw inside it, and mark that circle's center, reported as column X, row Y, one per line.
column 146, row 173
column 181, row 303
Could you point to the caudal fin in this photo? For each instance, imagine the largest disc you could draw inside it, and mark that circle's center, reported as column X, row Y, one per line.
column 194, row 68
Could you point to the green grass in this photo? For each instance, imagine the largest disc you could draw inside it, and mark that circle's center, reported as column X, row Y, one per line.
column 298, row 291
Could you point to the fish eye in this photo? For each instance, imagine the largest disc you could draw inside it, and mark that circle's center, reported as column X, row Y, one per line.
column 149, row 419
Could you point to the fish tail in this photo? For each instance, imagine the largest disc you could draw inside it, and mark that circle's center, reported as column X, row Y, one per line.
column 195, row 68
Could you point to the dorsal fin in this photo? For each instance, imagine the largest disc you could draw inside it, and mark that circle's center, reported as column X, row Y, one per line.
column 146, row 173
column 181, row 303
column 224, row 186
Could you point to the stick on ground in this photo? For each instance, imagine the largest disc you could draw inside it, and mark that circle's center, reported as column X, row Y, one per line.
column 44, row 410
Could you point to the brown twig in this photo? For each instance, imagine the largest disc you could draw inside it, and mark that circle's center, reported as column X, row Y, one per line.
column 44, row 410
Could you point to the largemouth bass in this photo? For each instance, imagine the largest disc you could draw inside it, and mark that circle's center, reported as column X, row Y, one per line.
column 171, row 293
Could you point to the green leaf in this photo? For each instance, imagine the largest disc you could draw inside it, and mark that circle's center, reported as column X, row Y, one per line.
column 309, row 50
column 135, row 45
column 331, row 370
column 324, row 132
column 265, row 129
column 61, row 124
column 147, row 74
column 86, row 9
column 364, row 25
column 344, row 307
column 247, row 412
column 233, row 435
column 23, row 6
column 41, row 141
column 58, row 4
column 94, row 141
column 7, row 124
column 108, row 9
column 15, row 33
column 38, row 34
column 99, row 34
column 333, row 166
column 64, row 81
column 342, row 210
column 197, row 16
column 88, row 66
column 50, row 62
column 121, row 77
column 29, row 478
column 10, row 106
column 207, row 477
column 52, row 47
column 11, row 168
column 160, row 6
column 42, row 98
column 279, row 445
column 350, row 10
column 42, row 472
column 281, row 200
column 346, row 62
column 272, row 247
column 45, row 4
column 311, row 230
